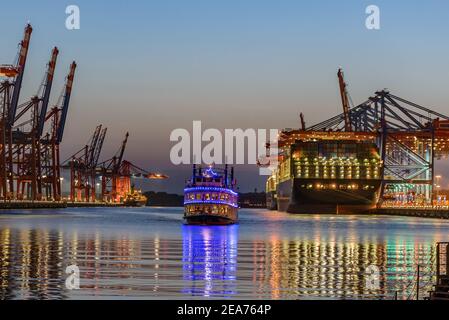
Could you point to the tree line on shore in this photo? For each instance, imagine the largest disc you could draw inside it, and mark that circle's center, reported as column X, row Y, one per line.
column 164, row 199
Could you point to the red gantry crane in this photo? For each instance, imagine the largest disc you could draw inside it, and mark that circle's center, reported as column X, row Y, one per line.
column 30, row 137
column 51, row 171
column 26, row 138
column 9, row 97
column 20, row 66
column 83, row 167
column 116, row 175
column 111, row 183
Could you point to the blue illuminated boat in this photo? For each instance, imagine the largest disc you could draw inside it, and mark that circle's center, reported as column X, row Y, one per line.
column 209, row 197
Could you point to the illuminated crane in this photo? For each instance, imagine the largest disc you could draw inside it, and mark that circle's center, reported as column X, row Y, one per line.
column 26, row 138
column 117, row 173
column 110, row 178
column 83, row 168
column 9, row 97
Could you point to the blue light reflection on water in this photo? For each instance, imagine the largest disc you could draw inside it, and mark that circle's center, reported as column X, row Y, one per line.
column 210, row 260
column 147, row 253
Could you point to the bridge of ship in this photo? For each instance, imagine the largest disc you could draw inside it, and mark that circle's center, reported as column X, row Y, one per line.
column 410, row 138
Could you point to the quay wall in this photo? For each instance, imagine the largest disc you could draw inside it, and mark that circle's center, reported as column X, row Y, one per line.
column 32, row 205
column 10, row 205
column 413, row 212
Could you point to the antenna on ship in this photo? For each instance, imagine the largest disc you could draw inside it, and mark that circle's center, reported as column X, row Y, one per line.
column 232, row 176
column 193, row 175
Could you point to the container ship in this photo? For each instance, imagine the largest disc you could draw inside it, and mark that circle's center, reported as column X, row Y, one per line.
column 327, row 168
column 209, row 197
column 325, row 172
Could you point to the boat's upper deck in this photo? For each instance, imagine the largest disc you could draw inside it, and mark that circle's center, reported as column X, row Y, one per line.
column 212, row 177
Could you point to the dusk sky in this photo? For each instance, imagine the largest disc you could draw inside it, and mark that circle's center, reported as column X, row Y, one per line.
column 149, row 67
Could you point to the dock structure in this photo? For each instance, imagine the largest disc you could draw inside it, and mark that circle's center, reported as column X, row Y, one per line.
column 419, row 212
column 323, row 163
column 111, row 177
column 23, row 204
column 31, row 134
column 410, row 138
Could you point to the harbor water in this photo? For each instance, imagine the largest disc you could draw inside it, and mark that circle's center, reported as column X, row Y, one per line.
column 147, row 253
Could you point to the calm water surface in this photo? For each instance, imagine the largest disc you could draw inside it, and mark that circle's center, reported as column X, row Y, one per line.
column 147, row 253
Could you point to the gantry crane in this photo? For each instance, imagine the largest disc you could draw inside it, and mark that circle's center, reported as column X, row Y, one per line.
column 10, row 92
column 27, row 135
column 83, row 168
column 409, row 138
column 29, row 159
column 99, row 147
column 111, row 184
column 51, row 172
column 96, row 157
column 128, row 171
column 94, row 152
column 116, row 175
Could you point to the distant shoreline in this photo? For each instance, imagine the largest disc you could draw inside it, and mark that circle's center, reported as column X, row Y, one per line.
column 250, row 200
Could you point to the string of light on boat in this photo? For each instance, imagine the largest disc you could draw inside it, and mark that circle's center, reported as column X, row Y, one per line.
column 211, row 202
column 212, row 189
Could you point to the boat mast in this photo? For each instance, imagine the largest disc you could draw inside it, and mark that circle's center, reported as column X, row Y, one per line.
column 226, row 175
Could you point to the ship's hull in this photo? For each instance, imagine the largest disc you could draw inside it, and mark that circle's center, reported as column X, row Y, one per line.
column 207, row 220
column 208, row 215
column 302, row 196
column 272, row 203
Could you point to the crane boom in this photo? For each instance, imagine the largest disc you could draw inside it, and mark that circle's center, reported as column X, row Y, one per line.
column 93, row 145
column 23, row 53
column 47, row 90
column 121, row 152
column 131, row 170
column 344, row 100
column 99, row 147
column 303, row 123
column 66, row 101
